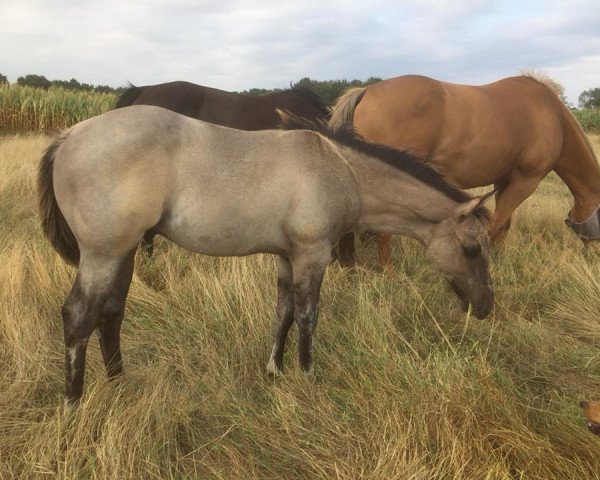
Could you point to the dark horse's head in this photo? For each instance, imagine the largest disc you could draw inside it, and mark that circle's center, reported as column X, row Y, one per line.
column 307, row 104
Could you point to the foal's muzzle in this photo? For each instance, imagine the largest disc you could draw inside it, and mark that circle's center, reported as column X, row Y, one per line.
column 481, row 300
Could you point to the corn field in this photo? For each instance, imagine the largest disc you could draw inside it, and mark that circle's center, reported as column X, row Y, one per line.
column 589, row 118
column 28, row 109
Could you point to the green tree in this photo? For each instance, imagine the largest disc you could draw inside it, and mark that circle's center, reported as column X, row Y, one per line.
column 103, row 89
column 330, row 90
column 3, row 79
column 67, row 84
column 38, row 81
column 590, row 98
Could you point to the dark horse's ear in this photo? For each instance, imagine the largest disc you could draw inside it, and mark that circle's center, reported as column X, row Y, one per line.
column 470, row 206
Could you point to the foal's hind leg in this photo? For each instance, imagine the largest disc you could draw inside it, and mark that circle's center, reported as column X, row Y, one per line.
column 82, row 310
column 112, row 316
column 284, row 315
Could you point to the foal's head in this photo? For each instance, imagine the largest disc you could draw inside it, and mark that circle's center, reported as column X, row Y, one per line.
column 459, row 247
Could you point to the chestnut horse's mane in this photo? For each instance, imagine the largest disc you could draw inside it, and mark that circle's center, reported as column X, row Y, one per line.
column 545, row 80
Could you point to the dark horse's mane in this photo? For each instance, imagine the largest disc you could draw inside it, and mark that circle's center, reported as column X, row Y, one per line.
column 312, row 97
column 402, row 160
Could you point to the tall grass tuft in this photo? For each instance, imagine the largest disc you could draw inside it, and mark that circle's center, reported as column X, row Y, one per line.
column 28, row 109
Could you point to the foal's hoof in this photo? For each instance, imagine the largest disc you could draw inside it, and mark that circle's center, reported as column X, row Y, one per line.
column 71, row 406
column 272, row 369
column 308, row 373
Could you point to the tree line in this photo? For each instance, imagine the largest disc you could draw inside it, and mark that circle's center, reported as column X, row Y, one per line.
column 328, row 90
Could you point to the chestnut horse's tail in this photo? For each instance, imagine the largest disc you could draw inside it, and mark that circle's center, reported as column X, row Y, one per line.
column 53, row 222
column 343, row 111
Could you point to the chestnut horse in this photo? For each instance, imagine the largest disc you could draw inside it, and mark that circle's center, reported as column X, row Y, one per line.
column 225, row 192
column 509, row 133
column 230, row 109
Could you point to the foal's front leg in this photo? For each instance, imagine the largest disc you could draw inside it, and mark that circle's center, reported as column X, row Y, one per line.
column 284, row 314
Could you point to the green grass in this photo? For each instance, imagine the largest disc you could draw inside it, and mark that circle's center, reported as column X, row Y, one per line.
column 406, row 386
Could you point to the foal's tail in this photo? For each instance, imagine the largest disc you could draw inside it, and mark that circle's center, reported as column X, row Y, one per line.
column 128, row 96
column 343, row 111
column 53, row 222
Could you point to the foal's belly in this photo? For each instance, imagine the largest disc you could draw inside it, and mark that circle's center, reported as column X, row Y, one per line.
column 225, row 235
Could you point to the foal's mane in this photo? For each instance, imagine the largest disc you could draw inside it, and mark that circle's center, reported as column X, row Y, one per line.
column 402, row 160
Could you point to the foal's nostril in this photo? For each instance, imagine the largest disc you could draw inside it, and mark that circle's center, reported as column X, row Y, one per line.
column 583, row 404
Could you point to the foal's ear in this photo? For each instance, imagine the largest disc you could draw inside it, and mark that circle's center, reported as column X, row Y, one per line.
column 470, row 206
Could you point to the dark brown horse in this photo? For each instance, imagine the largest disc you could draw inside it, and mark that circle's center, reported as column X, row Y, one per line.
column 509, row 133
column 230, row 109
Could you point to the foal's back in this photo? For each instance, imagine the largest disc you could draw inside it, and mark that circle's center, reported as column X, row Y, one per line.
column 211, row 189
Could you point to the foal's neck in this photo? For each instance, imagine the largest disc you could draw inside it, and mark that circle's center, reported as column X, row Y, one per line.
column 395, row 202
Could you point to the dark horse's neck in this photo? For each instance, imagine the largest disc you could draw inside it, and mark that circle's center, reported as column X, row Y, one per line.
column 578, row 167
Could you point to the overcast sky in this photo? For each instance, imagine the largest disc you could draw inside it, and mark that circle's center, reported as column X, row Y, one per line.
column 236, row 45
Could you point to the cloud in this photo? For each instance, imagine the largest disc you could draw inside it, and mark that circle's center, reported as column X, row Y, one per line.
column 236, row 45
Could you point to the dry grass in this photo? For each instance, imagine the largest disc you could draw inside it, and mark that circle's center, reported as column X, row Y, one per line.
column 406, row 385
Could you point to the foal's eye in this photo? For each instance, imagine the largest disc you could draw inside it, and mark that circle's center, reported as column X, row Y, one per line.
column 472, row 251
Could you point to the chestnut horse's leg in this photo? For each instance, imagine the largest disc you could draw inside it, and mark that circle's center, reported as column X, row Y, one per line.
column 309, row 269
column 284, row 315
column 502, row 230
column 82, row 310
column 508, row 199
column 384, row 248
column 347, row 250
column 112, row 317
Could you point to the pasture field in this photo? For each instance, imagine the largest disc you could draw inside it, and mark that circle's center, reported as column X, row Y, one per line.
column 406, row 385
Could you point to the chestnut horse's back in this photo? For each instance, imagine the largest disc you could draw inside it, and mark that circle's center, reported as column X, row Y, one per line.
column 476, row 134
